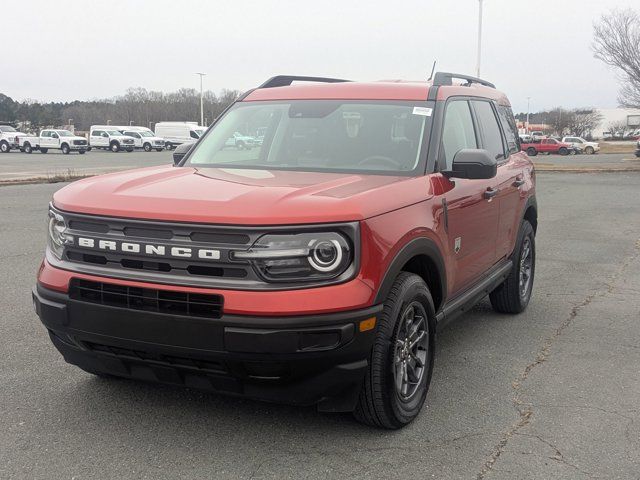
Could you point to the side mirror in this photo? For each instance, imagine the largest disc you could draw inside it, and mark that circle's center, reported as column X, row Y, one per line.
column 181, row 151
column 473, row 164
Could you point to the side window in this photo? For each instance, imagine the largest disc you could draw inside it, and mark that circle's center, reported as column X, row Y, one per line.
column 509, row 127
column 488, row 124
column 45, row 134
column 457, row 132
column 96, row 133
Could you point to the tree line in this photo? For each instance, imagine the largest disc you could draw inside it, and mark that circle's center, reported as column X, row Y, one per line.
column 138, row 106
column 561, row 121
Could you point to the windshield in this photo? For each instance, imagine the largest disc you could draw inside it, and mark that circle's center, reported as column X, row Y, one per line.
column 6, row 128
column 64, row 133
column 317, row 135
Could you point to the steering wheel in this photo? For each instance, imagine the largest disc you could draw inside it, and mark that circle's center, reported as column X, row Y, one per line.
column 380, row 160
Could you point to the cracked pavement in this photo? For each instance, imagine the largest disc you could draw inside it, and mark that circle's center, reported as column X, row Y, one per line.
column 551, row 393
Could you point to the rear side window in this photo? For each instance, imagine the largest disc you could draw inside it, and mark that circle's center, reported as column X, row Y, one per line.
column 509, row 127
column 193, row 134
column 488, row 124
column 458, row 132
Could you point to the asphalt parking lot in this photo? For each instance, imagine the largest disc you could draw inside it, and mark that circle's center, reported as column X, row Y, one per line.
column 53, row 165
column 551, row 393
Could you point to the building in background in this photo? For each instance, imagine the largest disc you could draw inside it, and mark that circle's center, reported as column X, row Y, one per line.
column 618, row 122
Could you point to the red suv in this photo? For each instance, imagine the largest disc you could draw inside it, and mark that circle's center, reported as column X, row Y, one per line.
column 312, row 268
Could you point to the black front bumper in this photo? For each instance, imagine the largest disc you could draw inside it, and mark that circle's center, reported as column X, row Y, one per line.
column 309, row 360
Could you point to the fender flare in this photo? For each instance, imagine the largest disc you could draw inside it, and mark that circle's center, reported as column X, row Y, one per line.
column 531, row 202
column 417, row 246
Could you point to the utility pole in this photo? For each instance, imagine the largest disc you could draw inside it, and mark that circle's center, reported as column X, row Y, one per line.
column 201, row 100
column 528, row 109
column 479, row 37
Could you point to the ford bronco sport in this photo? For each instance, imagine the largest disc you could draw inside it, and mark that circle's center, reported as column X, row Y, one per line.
column 312, row 269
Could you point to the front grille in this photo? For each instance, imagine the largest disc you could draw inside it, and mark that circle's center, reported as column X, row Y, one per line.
column 159, row 142
column 147, row 299
column 222, row 272
column 127, row 141
column 79, row 142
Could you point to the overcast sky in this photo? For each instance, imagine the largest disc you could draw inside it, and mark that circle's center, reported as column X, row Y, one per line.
column 88, row 49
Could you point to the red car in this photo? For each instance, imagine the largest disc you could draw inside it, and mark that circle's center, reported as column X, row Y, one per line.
column 546, row 145
column 312, row 269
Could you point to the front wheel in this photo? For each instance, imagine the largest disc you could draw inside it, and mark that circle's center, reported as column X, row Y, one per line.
column 65, row 149
column 115, row 147
column 168, row 146
column 589, row 151
column 563, row 151
column 44, row 150
column 532, row 152
column 401, row 362
column 513, row 295
column 147, row 147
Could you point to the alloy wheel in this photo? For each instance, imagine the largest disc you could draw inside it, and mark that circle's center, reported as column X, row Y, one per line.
column 411, row 351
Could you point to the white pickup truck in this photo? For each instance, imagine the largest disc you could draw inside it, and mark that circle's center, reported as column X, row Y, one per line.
column 51, row 139
column 9, row 138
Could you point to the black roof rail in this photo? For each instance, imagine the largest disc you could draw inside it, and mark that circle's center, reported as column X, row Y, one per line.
column 445, row 78
column 286, row 80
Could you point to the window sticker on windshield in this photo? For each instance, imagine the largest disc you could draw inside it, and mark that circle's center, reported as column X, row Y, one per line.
column 424, row 111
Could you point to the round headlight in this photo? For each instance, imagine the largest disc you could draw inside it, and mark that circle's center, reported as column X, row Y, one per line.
column 325, row 255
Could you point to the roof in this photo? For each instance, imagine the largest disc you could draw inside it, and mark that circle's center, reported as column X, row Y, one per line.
column 385, row 90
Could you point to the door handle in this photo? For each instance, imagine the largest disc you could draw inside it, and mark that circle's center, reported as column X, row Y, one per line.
column 519, row 181
column 490, row 193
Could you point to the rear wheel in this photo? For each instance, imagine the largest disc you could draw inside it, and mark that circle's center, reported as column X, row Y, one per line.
column 129, row 150
column 4, row 147
column 401, row 361
column 81, row 152
column 563, row 151
column 65, row 149
column 168, row 145
column 532, row 152
column 589, row 151
column 158, row 149
column 44, row 150
column 28, row 148
column 513, row 295
column 147, row 147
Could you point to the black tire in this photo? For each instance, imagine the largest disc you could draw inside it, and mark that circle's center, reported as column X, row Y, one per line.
column 563, row 151
column 28, row 148
column 65, row 149
column 81, row 152
column 168, row 145
column 532, row 152
column 589, row 151
column 380, row 403
column 89, row 148
column 114, row 147
column 4, row 147
column 44, row 150
column 147, row 147
column 510, row 297
column 158, row 149
column 129, row 150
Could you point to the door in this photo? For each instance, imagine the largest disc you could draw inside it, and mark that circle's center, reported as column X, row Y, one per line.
column 48, row 139
column 472, row 213
column 509, row 176
column 137, row 138
column 95, row 140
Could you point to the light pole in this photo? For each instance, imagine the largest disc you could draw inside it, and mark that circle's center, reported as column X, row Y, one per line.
column 479, row 37
column 528, row 109
column 201, row 101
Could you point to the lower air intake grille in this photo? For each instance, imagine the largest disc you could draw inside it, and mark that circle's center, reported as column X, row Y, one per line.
column 148, row 299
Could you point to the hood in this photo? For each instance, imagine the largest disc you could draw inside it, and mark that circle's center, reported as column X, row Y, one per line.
column 239, row 196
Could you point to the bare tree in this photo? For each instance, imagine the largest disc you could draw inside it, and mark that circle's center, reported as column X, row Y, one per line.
column 617, row 128
column 616, row 41
column 584, row 121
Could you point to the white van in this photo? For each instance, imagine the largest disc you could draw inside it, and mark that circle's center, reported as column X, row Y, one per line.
column 109, row 137
column 143, row 137
column 177, row 133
